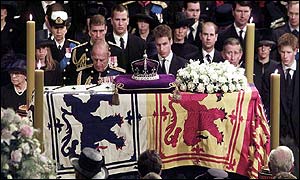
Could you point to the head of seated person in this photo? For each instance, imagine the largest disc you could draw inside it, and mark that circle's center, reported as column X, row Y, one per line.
column 281, row 159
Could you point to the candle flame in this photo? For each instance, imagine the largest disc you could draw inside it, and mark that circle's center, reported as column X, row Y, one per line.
column 251, row 19
column 39, row 64
column 276, row 71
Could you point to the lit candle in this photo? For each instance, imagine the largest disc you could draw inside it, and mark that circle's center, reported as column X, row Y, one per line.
column 30, row 56
column 250, row 51
column 38, row 119
column 275, row 109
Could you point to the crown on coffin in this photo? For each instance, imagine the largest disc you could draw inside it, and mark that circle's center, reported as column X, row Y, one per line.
column 145, row 69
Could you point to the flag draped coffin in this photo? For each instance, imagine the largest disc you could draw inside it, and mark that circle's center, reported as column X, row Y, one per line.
column 226, row 131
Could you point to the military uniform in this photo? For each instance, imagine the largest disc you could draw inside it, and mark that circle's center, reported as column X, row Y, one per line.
column 92, row 76
column 63, row 56
column 80, row 59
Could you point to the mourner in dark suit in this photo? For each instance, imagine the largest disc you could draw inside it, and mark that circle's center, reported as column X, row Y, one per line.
column 208, row 36
column 241, row 11
column 9, row 31
column 62, row 47
column 100, row 71
column 180, row 45
column 131, row 46
column 292, row 26
column 263, row 65
column 289, row 95
column 9, row 37
column 192, row 9
column 169, row 62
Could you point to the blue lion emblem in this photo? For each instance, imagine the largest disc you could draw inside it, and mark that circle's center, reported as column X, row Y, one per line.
column 94, row 127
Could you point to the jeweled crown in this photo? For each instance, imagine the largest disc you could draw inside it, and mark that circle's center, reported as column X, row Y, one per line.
column 145, row 69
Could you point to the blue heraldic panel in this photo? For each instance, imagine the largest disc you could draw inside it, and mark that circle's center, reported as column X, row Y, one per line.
column 76, row 120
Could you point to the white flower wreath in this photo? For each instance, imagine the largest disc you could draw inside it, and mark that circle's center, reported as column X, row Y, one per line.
column 211, row 78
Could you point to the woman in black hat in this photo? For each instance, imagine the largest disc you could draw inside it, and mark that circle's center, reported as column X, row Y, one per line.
column 13, row 95
column 44, row 60
column 143, row 23
column 180, row 45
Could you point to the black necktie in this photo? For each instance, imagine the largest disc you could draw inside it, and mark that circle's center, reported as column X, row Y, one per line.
column 241, row 36
column 208, row 58
column 59, row 47
column 289, row 88
column 191, row 36
column 288, row 77
column 296, row 33
column 122, row 43
column 163, row 67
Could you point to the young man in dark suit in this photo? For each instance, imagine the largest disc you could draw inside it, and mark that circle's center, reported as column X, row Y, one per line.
column 291, row 26
column 241, row 11
column 169, row 62
column 209, row 36
column 289, row 94
column 131, row 46
column 192, row 9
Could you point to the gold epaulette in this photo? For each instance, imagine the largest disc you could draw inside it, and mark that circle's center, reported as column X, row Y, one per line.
column 80, row 45
column 127, row 2
column 84, row 67
column 73, row 41
column 161, row 3
column 118, row 69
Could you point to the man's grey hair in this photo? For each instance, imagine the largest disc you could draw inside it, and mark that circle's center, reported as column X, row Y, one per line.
column 281, row 159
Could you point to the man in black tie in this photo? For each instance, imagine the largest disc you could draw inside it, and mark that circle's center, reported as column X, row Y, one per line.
column 169, row 62
column 289, row 95
column 241, row 11
column 208, row 36
column 292, row 26
column 192, row 9
column 132, row 47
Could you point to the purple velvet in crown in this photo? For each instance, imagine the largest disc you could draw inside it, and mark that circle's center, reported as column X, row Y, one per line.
column 145, row 69
column 165, row 84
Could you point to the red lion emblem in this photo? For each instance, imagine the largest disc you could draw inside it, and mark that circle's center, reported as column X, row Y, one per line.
column 200, row 118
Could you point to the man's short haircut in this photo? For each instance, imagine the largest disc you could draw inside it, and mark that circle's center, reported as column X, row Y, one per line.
column 162, row 30
column 97, row 20
column 209, row 23
column 149, row 161
column 186, row 2
column 281, row 159
column 242, row 3
column 288, row 39
column 118, row 8
column 290, row 3
column 232, row 41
